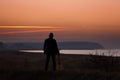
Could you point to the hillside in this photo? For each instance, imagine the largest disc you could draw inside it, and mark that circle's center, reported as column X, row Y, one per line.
column 61, row 45
column 1, row 45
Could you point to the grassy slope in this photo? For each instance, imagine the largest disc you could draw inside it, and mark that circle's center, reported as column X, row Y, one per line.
column 23, row 66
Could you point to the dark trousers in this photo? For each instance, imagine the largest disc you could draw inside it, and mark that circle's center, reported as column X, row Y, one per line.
column 48, row 56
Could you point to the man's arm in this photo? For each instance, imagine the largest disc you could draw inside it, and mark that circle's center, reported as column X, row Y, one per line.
column 44, row 47
column 57, row 50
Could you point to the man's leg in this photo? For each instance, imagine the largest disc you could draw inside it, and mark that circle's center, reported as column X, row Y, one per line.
column 54, row 62
column 47, row 62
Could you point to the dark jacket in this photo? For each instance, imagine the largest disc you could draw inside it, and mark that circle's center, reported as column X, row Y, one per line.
column 50, row 46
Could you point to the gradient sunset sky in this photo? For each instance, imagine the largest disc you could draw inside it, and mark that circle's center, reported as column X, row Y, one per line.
column 70, row 20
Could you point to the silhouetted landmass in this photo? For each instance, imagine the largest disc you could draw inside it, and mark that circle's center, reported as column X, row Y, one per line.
column 80, row 45
column 61, row 45
column 23, row 46
column 1, row 45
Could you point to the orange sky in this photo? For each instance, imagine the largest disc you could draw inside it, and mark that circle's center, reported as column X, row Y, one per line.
column 70, row 20
column 60, row 12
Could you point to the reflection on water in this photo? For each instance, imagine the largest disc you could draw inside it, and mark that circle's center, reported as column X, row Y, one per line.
column 108, row 52
column 33, row 51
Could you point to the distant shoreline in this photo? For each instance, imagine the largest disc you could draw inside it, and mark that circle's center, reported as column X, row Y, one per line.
column 99, row 52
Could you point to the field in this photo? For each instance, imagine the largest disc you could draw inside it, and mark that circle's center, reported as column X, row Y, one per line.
column 16, row 65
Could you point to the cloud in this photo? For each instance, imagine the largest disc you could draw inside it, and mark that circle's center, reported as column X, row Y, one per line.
column 9, row 30
column 28, row 27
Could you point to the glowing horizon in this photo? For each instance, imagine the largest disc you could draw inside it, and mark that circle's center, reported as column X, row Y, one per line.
column 105, row 35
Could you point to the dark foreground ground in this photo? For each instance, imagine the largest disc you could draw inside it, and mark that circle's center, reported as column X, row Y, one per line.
column 16, row 65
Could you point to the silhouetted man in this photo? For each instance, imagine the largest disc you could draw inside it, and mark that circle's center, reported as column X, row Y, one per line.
column 50, row 49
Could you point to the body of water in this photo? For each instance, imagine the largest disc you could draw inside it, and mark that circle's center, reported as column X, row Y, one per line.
column 106, row 52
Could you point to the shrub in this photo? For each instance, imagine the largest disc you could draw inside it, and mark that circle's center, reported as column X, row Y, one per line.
column 105, row 60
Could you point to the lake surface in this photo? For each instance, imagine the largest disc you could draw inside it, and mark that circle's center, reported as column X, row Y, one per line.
column 106, row 52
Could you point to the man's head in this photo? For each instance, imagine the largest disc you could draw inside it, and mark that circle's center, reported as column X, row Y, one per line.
column 51, row 35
